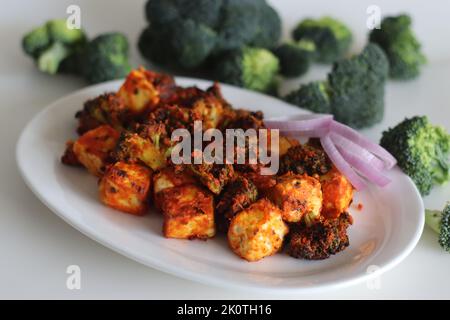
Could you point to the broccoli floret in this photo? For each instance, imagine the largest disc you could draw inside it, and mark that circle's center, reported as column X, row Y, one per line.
column 295, row 57
column 105, row 58
column 421, row 150
column 53, row 43
column 399, row 43
column 188, row 34
column 357, row 86
column 314, row 96
column 252, row 68
column 439, row 221
column 332, row 37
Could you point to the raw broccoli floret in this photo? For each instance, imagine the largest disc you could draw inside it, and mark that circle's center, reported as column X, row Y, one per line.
column 190, row 33
column 105, row 58
column 400, row 44
column 357, row 86
column 295, row 57
column 252, row 68
column 332, row 37
column 52, row 43
column 314, row 96
column 422, row 151
column 439, row 221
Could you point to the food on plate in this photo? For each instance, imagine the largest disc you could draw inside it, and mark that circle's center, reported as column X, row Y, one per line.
column 439, row 221
column 422, row 151
column 125, row 141
column 251, row 68
column 258, row 231
column 355, row 89
column 188, row 34
column 295, row 57
column 320, row 240
column 188, row 212
column 126, row 187
column 51, row 45
column 331, row 37
column 396, row 37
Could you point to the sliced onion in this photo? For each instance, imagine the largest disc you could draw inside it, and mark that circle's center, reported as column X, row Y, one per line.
column 301, row 123
column 341, row 164
column 359, row 139
column 356, row 151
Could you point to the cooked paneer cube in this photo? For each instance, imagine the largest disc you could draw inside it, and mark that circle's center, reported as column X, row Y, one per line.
column 126, row 187
column 188, row 212
column 257, row 231
column 337, row 193
column 132, row 147
column 210, row 110
column 298, row 197
column 93, row 149
column 285, row 144
column 213, row 176
column 138, row 92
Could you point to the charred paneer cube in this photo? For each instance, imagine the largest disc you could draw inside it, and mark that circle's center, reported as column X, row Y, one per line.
column 238, row 195
column 93, row 149
column 298, row 196
column 132, row 147
column 126, row 187
column 212, row 175
column 188, row 212
column 305, row 159
column 258, row 231
column 337, row 193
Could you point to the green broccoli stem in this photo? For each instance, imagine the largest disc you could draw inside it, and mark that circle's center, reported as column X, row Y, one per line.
column 51, row 58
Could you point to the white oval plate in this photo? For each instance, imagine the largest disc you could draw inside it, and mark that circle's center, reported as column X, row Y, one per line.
column 384, row 232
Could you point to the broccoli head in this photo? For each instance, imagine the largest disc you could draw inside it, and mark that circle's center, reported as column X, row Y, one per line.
column 251, row 68
column 105, row 58
column 53, row 43
column 331, row 37
column 357, row 86
column 421, row 150
column 439, row 221
column 314, row 96
column 189, row 33
column 295, row 57
column 400, row 44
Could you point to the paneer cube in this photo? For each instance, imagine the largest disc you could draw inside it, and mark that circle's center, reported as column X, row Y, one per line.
column 337, row 194
column 93, row 148
column 298, row 197
column 210, row 110
column 188, row 212
column 126, row 187
column 258, row 231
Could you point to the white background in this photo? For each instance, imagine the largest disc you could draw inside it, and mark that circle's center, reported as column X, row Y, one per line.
column 36, row 246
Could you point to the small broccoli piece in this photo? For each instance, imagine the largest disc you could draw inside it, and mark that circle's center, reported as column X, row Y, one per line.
column 314, row 96
column 439, row 221
column 421, row 150
column 295, row 57
column 305, row 159
column 332, row 37
column 52, row 44
column 399, row 43
column 268, row 28
column 105, row 58
column 251, row 68
column 357, row 86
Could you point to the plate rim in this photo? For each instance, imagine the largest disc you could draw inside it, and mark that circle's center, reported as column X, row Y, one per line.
column 178, row 272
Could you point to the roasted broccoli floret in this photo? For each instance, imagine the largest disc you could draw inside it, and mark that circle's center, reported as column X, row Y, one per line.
column 295, row 57
column 332, row 37
column 439, row 221
column 213, row 176
column 305, row 159
column 52, row 43
column 320, row 240
column 189, row 33
column 401, row 46
column 105, row 58
column 314, row 96
column 422, row 151
column 251, row 68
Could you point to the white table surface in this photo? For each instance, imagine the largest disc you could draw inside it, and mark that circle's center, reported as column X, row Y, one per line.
column 36, row 246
